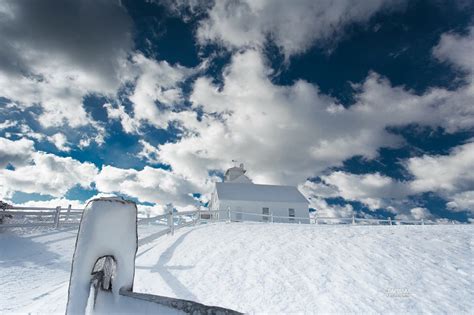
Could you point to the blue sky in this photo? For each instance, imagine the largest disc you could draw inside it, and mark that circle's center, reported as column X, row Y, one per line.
column 366, row 106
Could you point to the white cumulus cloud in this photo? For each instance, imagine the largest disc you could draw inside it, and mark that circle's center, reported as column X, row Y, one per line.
column 147, row 185
column 16, row 153
column 374, row 190
column 294, row 26
column 47, row 174
column 286, row 134
column 448, row 173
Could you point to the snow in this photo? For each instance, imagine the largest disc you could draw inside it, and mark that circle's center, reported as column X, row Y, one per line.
column 300, row 268
column 256, row 267
column 257, row 192
column 107, row 304
column 35, row 266
column 34, row 270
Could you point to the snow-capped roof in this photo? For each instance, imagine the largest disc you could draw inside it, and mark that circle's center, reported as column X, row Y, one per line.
column 254, row 192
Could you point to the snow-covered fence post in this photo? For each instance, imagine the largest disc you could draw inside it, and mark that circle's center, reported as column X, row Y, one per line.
column 353, row 219
column 422, row 221
column 271, row 217
column 68, row 212
column 198, row 216
column 171, row 221
column 4, row 206
column 228, row 214
column 108, row 232
column 389, row 220
column 56, row 217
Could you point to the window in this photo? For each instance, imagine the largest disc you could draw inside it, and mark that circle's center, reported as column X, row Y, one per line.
column 291, row 214
column 266, row 213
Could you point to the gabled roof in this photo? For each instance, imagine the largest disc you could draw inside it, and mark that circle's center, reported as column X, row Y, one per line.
column 254, row 192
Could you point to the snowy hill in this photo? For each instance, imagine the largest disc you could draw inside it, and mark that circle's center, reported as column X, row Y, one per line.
column 253, row 267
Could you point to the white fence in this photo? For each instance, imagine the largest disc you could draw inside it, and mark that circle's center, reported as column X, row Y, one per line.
column 57, row 217
column 39, row 216
column 177, row 220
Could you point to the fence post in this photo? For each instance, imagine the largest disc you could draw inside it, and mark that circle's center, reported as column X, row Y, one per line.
column 271, row 217
column 228, row 214
column 171, row 222
column 389, row 220
column 316, row 220
column 56, row 217
column 422, row 221
column 353, row 219
column 68, row 212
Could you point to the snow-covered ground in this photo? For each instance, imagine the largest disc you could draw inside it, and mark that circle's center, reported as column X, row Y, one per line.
column 35, row 266
column 254, row 267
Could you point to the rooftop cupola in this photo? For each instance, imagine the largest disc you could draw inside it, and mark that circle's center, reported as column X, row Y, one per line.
column 236, row 174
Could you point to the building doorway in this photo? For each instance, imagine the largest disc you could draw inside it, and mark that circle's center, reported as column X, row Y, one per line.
column 291, row 214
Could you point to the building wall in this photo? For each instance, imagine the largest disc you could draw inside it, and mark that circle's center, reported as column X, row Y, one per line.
column 252, row 210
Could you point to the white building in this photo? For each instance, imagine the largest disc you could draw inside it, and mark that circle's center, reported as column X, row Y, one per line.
column 252, row 202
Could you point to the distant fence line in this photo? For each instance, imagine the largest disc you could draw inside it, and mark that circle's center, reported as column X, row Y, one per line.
column 39, row 216
column 176, row 220
column 57, row 217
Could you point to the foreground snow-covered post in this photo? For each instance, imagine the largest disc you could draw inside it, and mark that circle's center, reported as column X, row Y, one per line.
column 108, row 229
column 353, row 219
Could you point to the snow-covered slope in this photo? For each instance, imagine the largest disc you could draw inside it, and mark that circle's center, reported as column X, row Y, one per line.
column 302, row 268
column 270, row 268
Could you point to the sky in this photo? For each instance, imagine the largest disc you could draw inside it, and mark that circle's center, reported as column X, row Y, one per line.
column 366, row 105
